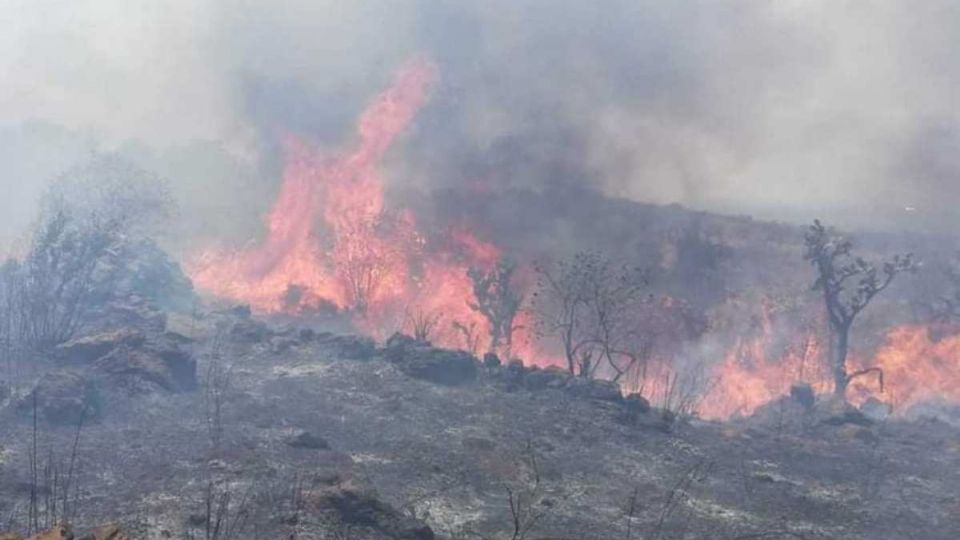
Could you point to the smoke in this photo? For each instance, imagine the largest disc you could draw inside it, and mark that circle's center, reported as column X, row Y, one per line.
column 844, row 110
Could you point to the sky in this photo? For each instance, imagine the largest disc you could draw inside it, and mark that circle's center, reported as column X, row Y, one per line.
column 788, row 109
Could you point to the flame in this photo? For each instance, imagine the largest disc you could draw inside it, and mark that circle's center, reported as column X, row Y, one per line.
column 918, row 365
column 332, row 243
column 749, row 377
column 753, row 372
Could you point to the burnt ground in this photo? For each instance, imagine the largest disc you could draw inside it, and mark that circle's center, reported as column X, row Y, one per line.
column 321, row 437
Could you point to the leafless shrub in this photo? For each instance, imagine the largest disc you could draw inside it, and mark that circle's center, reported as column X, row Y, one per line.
column 682, row 389
column 225, row 512
column 422, row 324
column 470, row 334
column 526, row 497
column 366, row 250
column 54, row 490
column 87, row 217
column 677, row 496
column 607, row 324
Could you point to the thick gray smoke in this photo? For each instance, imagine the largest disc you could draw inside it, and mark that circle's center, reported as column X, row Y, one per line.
column 787, row 109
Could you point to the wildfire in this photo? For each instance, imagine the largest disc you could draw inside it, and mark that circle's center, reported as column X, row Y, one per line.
column 332, row 243
column 918, row 366
column 755, row 372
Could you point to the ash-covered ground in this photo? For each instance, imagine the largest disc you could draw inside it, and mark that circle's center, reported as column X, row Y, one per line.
column 218, row 425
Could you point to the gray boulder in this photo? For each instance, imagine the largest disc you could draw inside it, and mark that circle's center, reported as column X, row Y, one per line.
column 421, row 361
column 594, row 389
column 63, row 397
column 89, row 348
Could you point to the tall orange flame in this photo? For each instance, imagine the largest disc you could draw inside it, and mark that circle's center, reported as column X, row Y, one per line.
column 331, row 242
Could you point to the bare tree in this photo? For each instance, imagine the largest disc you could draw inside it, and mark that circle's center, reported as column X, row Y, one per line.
column 947, row 307
column 597, row 311
column 88, row 216
column 837, row 269
column 561, row 304
column 498, row 301
column 59, row 277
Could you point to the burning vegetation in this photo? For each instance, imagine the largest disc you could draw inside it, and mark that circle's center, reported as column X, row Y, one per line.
column 468, row 363
column 335, row 246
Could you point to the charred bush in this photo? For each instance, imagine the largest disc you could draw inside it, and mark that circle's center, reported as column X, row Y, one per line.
column 91, row 221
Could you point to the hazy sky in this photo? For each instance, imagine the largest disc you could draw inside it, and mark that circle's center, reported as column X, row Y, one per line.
column 786, row 108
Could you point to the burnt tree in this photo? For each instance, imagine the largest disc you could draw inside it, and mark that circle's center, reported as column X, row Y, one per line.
column 848, row 285
column 498, row 301
column 560, row 303
column 593, row 308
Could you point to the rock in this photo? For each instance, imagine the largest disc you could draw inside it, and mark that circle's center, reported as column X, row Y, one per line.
column 876, row 410
column 307, row 335
column 240, row 311
column 397, row 346
column 540, row 379
column 249, row 330
column 362, row 509
column 636, row 404
column 516, row 365
column 150, row 273
column 450, row 368
column 282, row 344
column 860, row 433
column 136, row 313
column 161, row 362
column 306, row 439
column 106, row 532
column 89, row 348
column 838, row 412
column 491, row 360
column 428, row 363
column 63, row 397
column 803, row 394
column 350, row 347
column 594, row 389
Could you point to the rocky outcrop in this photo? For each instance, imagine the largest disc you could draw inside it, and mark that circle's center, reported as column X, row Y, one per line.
column 131, row 359
column 540, row 379
column 63, row 397
column 423, row 361
column 89, row 348
column 249, row 330
column 308, row 440
column 348, row 347
column 594, row 389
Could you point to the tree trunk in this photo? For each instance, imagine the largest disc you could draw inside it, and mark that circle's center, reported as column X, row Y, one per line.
column 839, row 344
